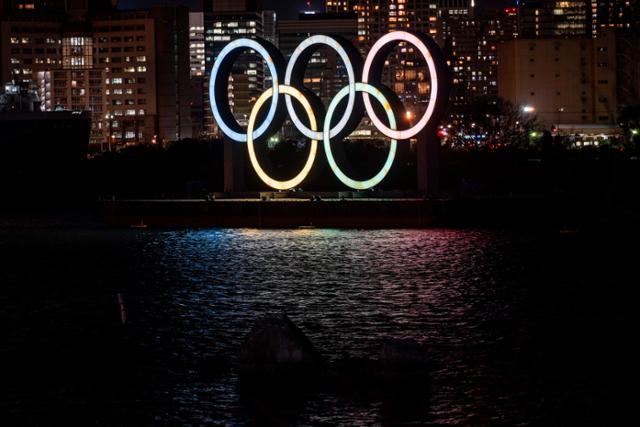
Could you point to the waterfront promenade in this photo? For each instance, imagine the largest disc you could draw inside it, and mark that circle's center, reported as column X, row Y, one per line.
column 335, row 212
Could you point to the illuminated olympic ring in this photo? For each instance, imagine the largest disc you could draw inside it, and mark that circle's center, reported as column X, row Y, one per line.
column 294, row 75
column 372, row 73
column 359, row 185
column 281, row 185
column 293, row 88
column 219, row 82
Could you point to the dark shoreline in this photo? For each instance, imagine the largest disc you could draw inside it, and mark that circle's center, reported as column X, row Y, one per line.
column 366, row 213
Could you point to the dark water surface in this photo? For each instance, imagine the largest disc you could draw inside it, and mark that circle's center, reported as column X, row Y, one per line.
column 522, row 328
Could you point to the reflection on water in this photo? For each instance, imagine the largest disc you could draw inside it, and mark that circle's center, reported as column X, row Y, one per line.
column 502, row 313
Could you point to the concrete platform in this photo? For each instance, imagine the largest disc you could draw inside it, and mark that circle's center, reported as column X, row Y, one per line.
column 274, row 212
column 338, row 210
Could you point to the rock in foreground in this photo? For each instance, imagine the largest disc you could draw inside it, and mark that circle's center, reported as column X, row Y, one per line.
column 277, row 347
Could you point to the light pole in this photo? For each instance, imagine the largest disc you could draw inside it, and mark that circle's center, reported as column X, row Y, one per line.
column 110, row 138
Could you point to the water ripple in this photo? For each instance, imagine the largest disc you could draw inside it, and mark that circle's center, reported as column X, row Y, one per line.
column 191, row 295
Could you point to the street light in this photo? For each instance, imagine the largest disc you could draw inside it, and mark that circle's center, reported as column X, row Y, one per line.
column 111, row 137
column 528, row 109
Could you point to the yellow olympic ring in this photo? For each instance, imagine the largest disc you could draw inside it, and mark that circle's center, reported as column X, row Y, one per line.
column 273, row 183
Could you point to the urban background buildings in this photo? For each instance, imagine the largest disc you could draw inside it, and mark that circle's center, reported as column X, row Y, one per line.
column 129, row 68
column 143, row 74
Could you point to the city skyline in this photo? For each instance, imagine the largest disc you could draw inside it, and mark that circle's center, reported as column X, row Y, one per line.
column 384, row 212
column 288, row 10
column 285, row 10
column 85, row 61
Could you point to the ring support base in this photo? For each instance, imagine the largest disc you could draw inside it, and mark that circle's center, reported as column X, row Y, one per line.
column 235, row 158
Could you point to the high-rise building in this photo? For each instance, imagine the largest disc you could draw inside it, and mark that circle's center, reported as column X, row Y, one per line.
column 554, row 18
column 225, row 21
column 628, row 66
column 576, row 18
column 338, row 6
column 407, row 73
column 269, row 26
column 196, row 43
column 470, row 41
column 124, row 49
column 173, row 111
column 88, row 56
column 565, row 82
column 325, row 72
column 197, row 60
column 623, row 16
column 377, row 17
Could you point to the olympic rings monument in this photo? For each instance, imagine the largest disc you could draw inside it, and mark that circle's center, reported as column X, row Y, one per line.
column 325, row 126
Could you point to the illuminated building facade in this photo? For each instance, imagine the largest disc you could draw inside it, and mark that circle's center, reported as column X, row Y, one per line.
column 196, row 44
column 563, row 81
column 623, row 16
column 554, row 18
column 86, row 55
column 226, row 21
column 470, row 43
column 197, row 71
column 28, row 46
column 338, row 6
column 76, row 90
column 577, row 18
column 325, row 74
column 123, row 52
column 269, row 26
column 407, row 73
